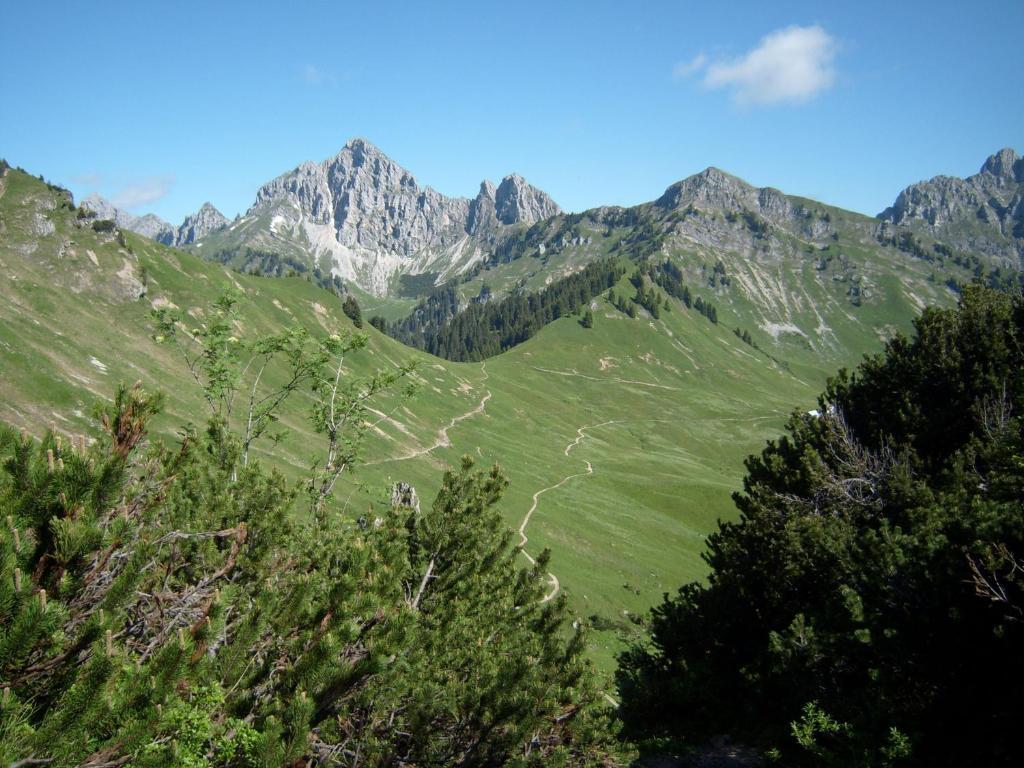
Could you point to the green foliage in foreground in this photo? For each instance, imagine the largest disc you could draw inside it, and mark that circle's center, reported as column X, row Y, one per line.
column 867, row 607
column 159, row 606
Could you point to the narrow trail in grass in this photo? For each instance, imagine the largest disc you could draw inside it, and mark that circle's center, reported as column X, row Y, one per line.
column 581, row 434
column 605, row 379
column 443, row 441
column 523, row 539
column 552, row 579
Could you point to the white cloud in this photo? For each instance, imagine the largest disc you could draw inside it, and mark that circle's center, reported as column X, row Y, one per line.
column 790, row 65
column 316, row 76
column 143, row 192
column 686, row 68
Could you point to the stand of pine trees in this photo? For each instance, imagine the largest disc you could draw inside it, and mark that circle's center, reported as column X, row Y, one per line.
column 485, row 329
column 867, row 609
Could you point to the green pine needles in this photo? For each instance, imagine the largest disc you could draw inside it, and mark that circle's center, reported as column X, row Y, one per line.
column 866, row 608
column 160, row 605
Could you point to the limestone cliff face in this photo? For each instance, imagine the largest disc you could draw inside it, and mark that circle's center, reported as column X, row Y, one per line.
column 201, row 223
column 517, row 201
column 365, row 218
column 368, row 201
column 984, row 212
column 716, row 191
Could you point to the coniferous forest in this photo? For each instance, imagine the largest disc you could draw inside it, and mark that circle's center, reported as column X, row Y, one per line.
column 485, row 328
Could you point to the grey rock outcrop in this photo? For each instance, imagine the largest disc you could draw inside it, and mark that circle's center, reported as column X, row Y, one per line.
column 517, row 201
column 152, row 226
column 483, row 216
column 149, row 225
column 984, row 212
column 368, row 201
column 715, row 190
column 199, row 224
column 370, row 220
column 207, row 219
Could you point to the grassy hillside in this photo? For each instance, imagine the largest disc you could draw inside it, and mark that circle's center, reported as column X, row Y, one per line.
column 629, row 436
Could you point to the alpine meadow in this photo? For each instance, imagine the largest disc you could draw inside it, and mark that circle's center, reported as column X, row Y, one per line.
column 369, row 474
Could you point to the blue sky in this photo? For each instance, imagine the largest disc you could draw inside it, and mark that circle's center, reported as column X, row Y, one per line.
column 162, row 106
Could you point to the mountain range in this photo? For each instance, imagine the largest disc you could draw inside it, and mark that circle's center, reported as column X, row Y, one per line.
column 983, row 213
column 195, row 226
column 362, row 217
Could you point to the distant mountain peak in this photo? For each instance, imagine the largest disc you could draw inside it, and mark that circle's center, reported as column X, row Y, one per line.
column 207, row 219
column 358, row 143
column 199, row 224
column 372, row 220
column 518, row 201
column 712, row 187
column 982, row 213
column 1005, row 163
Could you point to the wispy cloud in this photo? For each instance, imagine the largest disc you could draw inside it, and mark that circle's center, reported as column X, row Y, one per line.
column 143, row 192
column 788, row 66
column 88, row 179
column 684, row 69
column 313, row 75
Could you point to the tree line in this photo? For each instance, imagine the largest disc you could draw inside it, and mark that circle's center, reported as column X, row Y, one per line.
column 484, row 329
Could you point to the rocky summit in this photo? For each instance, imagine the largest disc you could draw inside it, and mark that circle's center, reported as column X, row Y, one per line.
column 363, row 217
column 983, row 213
column 199, row 224
column 207, row 219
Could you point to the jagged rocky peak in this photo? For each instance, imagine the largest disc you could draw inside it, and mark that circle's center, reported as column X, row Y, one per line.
column 207, row 219
column 368, row 218
column 983, row 213
column 368, row 201
column 104, row 209
column 991, row 195
column 149, row 225
column 483, row 217
column 517, row 201
column 1005, row 164
column 711, row 188
column 152, row 226
column 199, row 224
column 714, row 189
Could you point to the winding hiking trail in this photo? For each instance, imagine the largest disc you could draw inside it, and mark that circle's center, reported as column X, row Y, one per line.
column 443, row 441
column 552, row 579
column 523, row 538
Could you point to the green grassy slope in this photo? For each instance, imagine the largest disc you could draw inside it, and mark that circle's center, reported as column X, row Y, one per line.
column 663, row 412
